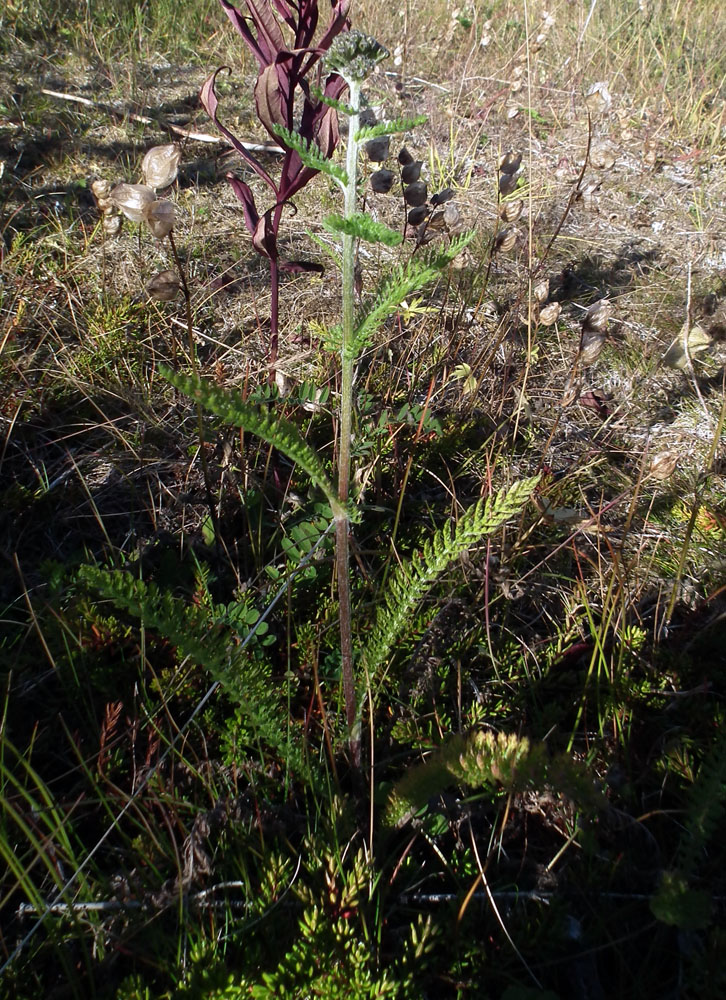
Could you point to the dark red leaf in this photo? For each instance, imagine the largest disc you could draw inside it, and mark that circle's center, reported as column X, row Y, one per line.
column 263, row 239
column 209, row 102
column 243, row 192
column 269, row 37
column 242, row 27
column 268, row 100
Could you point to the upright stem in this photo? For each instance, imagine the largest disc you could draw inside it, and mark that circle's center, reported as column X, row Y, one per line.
column 342, row 522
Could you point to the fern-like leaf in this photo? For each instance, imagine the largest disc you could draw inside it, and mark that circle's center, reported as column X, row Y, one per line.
column 389, row 128
column 271, row 427
column 310, row 154
column 204, row 634
column 401, row 284
column 411, row 581
column 489, row 760
column 364, row 228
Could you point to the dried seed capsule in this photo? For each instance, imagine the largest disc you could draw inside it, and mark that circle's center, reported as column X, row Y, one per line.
column 417, row 215
column 132, row 199
column 415, row 194
column 164, row 286
column 367, row 118
column 602, row 157
column 550, row 313
column 506, row 240
column 404, row 157
column 377, row 149
column 598, row 99
column 541, row 290
column 101, row 190
column 160, row 218
column 597, row 316
column 663, row 464
column 511, row 211
column 510, row 163
column 112, row 224
column 382, row 181
column 441, row 197
column 411, row 172
column 591, row 345
column 160, row 166
column 452, row 215
column 507, row 184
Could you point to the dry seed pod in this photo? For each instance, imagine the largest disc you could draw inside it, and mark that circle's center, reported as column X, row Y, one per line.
column 160, row 166
column 510, row 163
column 550, row 313
column 441, row 197
column 382, row 181
column 541, row 290
column 436, row 221
column 598, row 99
column 164, row 286
column 404, row 157
column 132, row 199
column 513, row 111
column 597, row 316
column 507, row 184
column 591, row 345
column 367, row 118
column 377, row 149
column 505, row 240
column 112, row 224
column 602, row 157
column 415, row 194
column 417, row 215
column 160, row 218
column 663, row 464
column 511, row 211
column 411, row 172
column 101, row 191
column 452, row 215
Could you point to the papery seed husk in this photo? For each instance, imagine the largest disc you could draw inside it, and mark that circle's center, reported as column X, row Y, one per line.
column 597, row 316
column 411, row 172
column 663, row 464
column 404, row 157
column 101, row 190
column 415, row 194
column 160, row 166
column 377, row 149
column 591, row 346
column 506, row 240
column 510, row 163
column 417, row 215
column 513, row 112
column 602, row 157
column 132, row 199
column 164, row 286
column 437, row 220
column 452, row 215
column 598, row 99
column 541, row 290
column 382, row 181
column 112, row 224
column 160, row 218
column 441, row 197
column 511, row 211
column 507, row 184
column 550, row 313
column 571, row 394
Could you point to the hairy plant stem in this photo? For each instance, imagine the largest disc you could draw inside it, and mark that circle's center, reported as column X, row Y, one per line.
column 347, row 358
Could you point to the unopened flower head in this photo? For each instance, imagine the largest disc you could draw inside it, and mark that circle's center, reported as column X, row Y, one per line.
column 355, row 55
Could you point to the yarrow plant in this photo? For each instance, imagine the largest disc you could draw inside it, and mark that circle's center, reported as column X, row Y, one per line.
column 353, row 56
column 289, row 94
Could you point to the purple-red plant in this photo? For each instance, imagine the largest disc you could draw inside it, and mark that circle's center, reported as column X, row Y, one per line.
column 287, row 92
